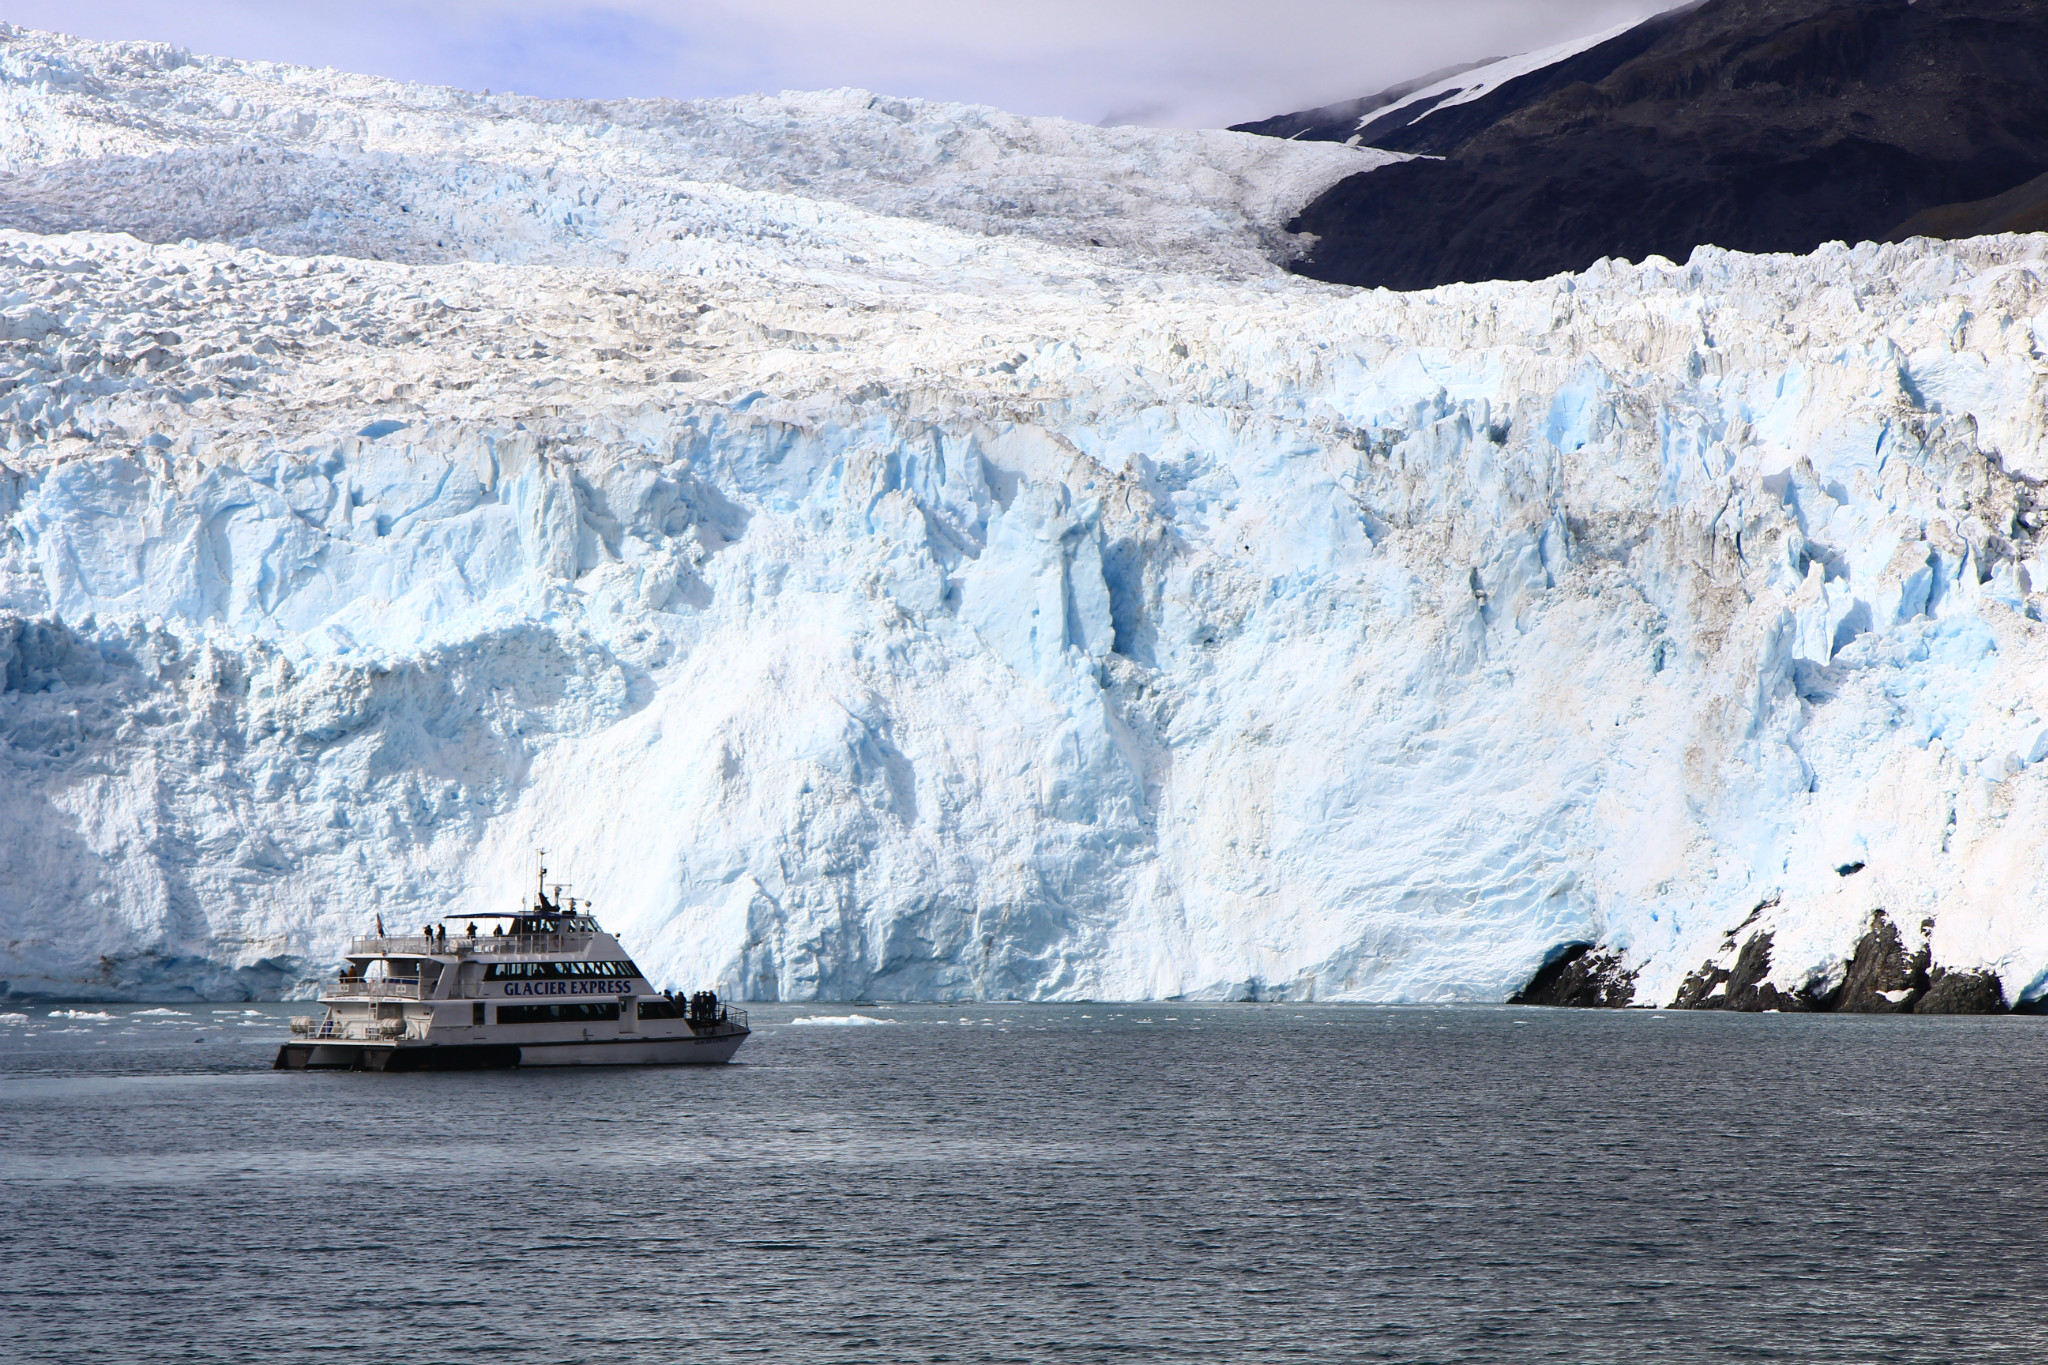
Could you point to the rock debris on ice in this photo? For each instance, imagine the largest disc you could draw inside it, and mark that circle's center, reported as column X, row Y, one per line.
column 892, row 550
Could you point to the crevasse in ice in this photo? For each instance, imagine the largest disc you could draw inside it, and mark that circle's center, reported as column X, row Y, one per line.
column 893, row 550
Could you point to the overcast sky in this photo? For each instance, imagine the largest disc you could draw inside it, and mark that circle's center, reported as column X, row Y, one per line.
column 1201, row 63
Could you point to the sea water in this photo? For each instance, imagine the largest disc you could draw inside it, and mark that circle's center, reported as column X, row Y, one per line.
column 1041, row 1183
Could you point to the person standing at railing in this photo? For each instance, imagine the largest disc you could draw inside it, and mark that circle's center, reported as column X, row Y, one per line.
column 380, row 926
column 472, row 928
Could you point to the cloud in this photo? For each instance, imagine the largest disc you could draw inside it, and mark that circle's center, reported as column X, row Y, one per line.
column 1167, row 62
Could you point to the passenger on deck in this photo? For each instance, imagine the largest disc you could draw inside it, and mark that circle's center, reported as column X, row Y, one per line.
column 472, row 928
column 498, row 931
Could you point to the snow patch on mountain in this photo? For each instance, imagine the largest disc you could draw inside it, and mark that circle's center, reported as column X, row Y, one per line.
column 1478, row 82
column 904, row 599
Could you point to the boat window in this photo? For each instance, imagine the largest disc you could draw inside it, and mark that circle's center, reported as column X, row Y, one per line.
column 660, row 1009
column 622, row 970
column 563, row 924
column 550, row 1014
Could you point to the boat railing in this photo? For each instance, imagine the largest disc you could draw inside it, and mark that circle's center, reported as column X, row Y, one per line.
column 400, row 988
column 495, row 945
column 333, row 1028
column 726, row 1015
column 378, row 987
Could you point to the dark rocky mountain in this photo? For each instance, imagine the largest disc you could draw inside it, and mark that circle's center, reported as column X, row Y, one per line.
column 1758, row 125
column 2021, row 210
column 1880, row 978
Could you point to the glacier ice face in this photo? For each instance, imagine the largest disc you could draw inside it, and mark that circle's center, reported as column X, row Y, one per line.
column 877, row 589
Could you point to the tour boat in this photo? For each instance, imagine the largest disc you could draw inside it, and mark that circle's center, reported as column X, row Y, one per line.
column 544, row 987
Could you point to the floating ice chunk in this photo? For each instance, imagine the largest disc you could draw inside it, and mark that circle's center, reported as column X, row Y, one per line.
column 144, row 1014
column 11, row 1019
column 841, row 1020
column 80, row 1014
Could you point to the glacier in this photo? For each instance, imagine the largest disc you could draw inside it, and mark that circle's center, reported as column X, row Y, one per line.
column 890, row 550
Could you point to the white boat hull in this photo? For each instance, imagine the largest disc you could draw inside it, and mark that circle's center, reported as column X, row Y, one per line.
column 708, row 1049
column 634, row 1052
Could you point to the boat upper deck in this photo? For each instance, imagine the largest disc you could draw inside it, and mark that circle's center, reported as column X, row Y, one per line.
column 574, row 944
